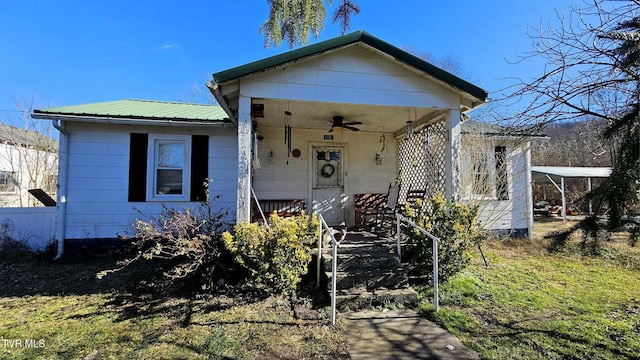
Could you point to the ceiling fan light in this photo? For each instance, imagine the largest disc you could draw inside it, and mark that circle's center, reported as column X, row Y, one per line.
column 336, row 128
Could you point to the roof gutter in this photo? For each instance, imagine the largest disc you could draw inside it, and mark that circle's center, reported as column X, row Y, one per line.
column 500, row 137
column 214, row 88
column 61, row 194
column 125, row 121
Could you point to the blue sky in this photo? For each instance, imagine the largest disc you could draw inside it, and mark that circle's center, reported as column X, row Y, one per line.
column 74, row 52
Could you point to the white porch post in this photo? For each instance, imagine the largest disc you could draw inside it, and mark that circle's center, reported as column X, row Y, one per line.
column 590, row 203
column 528, row 190
column 244, row 160
column 452, row 157
column 564, row 200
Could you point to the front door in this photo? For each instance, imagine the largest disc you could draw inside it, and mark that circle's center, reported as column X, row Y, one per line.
column 328, row 184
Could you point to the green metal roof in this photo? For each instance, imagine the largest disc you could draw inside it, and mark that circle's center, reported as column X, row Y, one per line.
column 139, row 109
column 358, row 36
column 484, row 128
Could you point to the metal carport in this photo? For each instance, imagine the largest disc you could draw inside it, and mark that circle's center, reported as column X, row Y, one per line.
column 557, row 174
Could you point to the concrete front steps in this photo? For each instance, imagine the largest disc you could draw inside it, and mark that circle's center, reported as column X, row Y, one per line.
column 369, row 274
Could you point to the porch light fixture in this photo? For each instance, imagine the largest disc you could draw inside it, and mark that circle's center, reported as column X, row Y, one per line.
column 257, row 110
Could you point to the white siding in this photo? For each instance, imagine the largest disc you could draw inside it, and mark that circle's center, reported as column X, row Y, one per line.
column 34, row 226
column 508, row 214
column 288, row 178
column 97, row 192
column 351, row 75
column 31, row 167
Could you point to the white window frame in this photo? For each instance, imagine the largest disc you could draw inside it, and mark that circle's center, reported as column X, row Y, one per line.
column 12, row 176
column 488, row 164
column 489, row 151
column 152, row 165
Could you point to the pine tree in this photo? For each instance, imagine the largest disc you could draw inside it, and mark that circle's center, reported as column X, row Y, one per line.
column 295, row 20
column 621, row 192
column 592, row 55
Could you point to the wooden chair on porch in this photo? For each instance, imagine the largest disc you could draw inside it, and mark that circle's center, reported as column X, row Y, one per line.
column 386, row 215
column 412, row 198
column 366, row 207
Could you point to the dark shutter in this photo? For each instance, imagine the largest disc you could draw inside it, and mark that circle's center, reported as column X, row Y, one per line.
column 199, row 166
column 138, row 167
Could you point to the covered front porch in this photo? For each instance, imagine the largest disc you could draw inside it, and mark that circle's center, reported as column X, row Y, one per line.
column 347, row 116
column 302, row 158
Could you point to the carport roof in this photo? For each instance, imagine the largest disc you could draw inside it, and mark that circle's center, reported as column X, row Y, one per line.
column 539, row 173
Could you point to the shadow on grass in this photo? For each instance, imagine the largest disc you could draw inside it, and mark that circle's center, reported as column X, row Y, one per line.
column 503, row 333
column 73, row 276
column 133, row 292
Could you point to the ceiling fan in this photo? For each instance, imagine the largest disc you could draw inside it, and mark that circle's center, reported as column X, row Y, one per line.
column 338, row 124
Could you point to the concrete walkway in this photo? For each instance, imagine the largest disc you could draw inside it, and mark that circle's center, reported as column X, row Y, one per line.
column 399, row 334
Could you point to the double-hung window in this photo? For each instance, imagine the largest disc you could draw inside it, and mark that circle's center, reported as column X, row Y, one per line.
column 481, row 183
column 168, row 167
column 487, row 177
column 168, row 175
column 8, row 182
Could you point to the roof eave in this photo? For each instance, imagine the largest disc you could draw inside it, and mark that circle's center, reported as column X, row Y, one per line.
column 510, row 137
column 127, row 120
column 214, row 89
column 279, row 60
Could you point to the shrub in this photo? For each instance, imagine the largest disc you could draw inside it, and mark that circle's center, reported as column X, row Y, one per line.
column 187, row 241
column 278, row 255
column 16, row 250
column 11, row 249
column 457, row 227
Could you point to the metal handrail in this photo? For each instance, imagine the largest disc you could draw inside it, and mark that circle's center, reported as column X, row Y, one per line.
column 266, row 223
column 334, row 263
column 399, row 219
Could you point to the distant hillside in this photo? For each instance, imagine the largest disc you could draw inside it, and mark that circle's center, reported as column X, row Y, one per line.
column 576, row 143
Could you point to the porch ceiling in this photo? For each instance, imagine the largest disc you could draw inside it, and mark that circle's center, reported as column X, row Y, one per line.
column 318, row 115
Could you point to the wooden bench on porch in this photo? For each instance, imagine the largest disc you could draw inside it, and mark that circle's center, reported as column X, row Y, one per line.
column 283, row 207
column 367, row 206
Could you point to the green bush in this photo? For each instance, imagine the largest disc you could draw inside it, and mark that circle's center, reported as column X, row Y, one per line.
column 457, row 227
column 276, row 256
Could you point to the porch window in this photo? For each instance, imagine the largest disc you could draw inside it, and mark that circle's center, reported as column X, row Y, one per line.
column 502, row 185
column 167, row 176
column 8, row 181
column 481, row 183
column 487, row 174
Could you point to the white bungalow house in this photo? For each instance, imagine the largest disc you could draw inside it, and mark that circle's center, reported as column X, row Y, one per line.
column 28, row 160
column 318, row 124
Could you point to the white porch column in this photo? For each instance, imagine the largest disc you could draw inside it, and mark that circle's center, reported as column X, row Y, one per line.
column 244, row 160
column 528, row 190
column 564, row 200
column 452, row 157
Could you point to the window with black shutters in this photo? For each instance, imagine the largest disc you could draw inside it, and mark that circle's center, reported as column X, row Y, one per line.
column 168, row 167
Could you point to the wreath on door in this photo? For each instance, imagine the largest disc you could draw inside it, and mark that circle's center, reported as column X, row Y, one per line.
column 327, row 170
